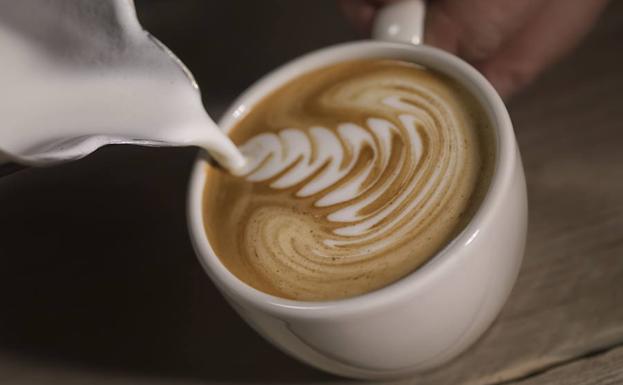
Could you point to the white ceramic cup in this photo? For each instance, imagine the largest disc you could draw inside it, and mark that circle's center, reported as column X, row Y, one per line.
column 437, row 311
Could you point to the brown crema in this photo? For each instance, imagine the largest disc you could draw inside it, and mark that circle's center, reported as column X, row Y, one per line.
column 359, row 173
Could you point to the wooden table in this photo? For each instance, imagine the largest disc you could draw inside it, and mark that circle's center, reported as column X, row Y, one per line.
column 99, row 284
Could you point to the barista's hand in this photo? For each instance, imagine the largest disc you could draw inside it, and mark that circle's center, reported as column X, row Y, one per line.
column 509, row 41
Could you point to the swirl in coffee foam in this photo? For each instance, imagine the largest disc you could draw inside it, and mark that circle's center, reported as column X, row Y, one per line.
column 359, row 173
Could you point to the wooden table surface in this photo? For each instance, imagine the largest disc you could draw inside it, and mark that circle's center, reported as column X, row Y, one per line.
column 99, row 284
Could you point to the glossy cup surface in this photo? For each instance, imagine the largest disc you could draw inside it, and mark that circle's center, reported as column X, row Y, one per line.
column 424, row 319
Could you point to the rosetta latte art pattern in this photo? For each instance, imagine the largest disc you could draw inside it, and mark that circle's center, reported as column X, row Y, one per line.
column 362, row 202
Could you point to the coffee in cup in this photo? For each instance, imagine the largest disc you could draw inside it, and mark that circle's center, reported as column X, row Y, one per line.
column 358, row 174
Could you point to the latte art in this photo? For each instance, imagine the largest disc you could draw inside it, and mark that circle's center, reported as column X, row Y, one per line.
column 355, row 179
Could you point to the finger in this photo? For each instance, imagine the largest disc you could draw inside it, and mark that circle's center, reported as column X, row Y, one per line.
column 558, row 28
column 360, row 13
column 476, row 29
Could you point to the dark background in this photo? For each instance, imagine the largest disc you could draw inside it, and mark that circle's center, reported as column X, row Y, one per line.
column 229, row 44
column 97, row 274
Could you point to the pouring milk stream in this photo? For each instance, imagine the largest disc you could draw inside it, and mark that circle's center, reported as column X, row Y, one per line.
column 80, row 74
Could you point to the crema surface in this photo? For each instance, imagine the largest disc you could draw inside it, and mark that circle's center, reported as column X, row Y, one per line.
column 358, row 174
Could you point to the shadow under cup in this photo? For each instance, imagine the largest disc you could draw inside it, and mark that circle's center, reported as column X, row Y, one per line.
column 425, row 318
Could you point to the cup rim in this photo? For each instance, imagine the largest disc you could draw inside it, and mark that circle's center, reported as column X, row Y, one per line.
column 465, row 74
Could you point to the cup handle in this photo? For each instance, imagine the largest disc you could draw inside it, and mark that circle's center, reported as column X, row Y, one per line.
column 401, row 22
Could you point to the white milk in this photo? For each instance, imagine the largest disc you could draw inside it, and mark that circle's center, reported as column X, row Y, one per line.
column 78, row 74
column 312, row 161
